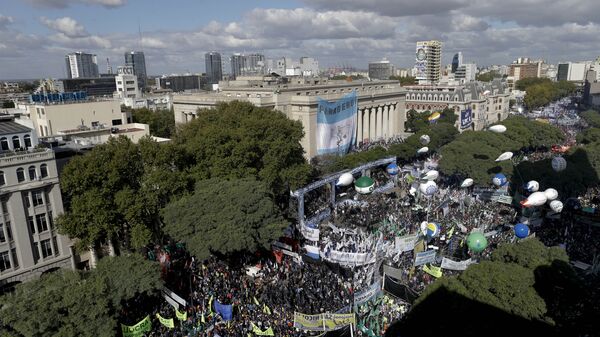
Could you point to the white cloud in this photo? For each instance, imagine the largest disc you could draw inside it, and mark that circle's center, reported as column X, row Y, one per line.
column 5, row 21
column 80, row 43
column 66, row 26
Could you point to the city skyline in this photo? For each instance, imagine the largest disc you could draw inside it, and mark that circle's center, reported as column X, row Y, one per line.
column 36, row 34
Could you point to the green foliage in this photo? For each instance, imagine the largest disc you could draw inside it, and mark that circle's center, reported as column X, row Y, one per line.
column 161, row 122
column 592, row 117
column 530, row 254
column 407, row 80
column 238, row 140
column 68, row 303
column 488, row 77
column 542, row 91
column 525, row 83
column 225, row 216
column 115, row 191
column 473, row 153
column 416, row 121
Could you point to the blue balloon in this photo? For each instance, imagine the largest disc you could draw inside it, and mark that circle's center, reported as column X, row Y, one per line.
column 392, row 169
column 499, row 179
column 521, row 230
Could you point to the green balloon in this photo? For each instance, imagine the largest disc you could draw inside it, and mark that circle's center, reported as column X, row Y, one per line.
column 476, row 242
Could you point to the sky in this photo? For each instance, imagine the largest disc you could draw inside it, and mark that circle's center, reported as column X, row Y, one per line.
column 35, row 35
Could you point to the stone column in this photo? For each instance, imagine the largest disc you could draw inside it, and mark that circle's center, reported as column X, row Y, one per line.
column 373, row 124
column 359, row 123
column 386, row 121
column 379, row 122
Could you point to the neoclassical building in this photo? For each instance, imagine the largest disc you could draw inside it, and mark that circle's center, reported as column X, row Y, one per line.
column 381, row 104
column 489, row 102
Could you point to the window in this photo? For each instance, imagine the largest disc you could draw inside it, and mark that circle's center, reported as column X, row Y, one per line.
column 27, row 140
column 4, row 261
column 4, row 144
column 46, row 248
column 4, row 203
column 26, row 198
column 20, row 175
column 55, row 245
column 13, row 252
column 36, row 252
column 32, row 174
column 16, row 142
column 50, row 219
column 2, row 180
column 2, row 237
column 37, row 197
column 8, row 231
column 31, row 224
column 44, row 170
column 42, row 225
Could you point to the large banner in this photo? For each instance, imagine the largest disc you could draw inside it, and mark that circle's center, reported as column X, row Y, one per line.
column 406, row 243
column 137, row 330
column 349, row 259
column 368, row 293
column 311, row 234
column 421, row 62
column 453, row 265
column 322, row 322
column 168, row 322
column 466, row 118
column 427, row 256
column 336, row 124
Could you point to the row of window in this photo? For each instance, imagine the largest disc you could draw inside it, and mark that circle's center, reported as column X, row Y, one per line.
column 37, row 197
column 40, row 224
column 47, row 249
column 16, row 142
column 31, row 171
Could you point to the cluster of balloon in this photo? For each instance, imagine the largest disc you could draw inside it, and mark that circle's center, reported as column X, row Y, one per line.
column 559, row 164
column 505, row 156
column 430, row 175
column 476, row 242
column 364, row 185
column 497, row 128
column 499, row 180
column 540, row 198
column 556, row 206
column 423, row 150
column 392, row 169
column 521, row 230
column 467, row 183
column 532, row 186
column 424, row 139
column 345, row 179
column 429, row 188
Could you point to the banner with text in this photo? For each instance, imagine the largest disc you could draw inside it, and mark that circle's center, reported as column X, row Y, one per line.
column 137, row 330
column 322, row 322
column 168, row 322
column 367, row 294
column 454, row 265
column 466, row 118
column 348, row 259
column 336, row 124
column 427, row 256
column 406, row 243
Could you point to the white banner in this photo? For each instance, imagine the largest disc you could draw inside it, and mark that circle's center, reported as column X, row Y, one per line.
column 406, row 243
column 454, row 265
column 311, row 234
column 336, row 124
column 313, row 250
column 427, row 256
column 349, row 259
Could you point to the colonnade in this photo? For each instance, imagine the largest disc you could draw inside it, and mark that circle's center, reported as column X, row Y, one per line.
column 376, row 122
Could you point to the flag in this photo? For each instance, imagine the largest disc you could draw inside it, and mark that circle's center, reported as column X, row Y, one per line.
column 266, row 309
column 182, row 316
column 202, row 319
column 256, row 301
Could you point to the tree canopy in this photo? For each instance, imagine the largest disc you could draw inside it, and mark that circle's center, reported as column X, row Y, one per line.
column 161, row 122
column 488, row 77
column 74, row 303
column 542, row 91
column 405, row 80
column 225, row 216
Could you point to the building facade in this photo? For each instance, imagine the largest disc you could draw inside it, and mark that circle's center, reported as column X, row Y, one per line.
column 30, row 200
column 488, row 102
column 137, row 60
column 428, row 61
column 214, row 68
column 457, row 61
column 519, row 71
column 104, row 86
column 381, row 106
column 381, row 70
column 466, row 72
column 127, row 84
column 178, row 83
column 81, row 64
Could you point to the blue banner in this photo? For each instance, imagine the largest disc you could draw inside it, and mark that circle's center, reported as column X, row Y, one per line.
column 225, row 310
column 466, row 118
column 336, row 124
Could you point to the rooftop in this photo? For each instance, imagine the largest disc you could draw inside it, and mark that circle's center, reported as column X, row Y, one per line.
column 8, row 127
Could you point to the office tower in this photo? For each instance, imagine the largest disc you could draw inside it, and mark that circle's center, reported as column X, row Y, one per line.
column 457, row 61
column 428, row 61
column 214, row 68
column 237, row 65
column 381, row 70
column 81, row 65
column 137, row 60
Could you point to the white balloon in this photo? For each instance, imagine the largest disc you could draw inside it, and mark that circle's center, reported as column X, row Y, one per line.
column 422, row 150
column 467, row 183
column 497, row 128
column 535, row 199
column 556, row 205
column 551, row 194
column 533, row 186
column 505, row 156
column 345, row 179
column 424, row 139
column 428, row 188
column 431, row 175
column 559, row 164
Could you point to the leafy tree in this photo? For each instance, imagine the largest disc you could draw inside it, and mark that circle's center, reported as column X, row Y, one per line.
column 592, row 117
column 225, row 216
column 488, row 77
column 406, row 80
column 525, row 83
column 237, row 140
column 74, row 303
column 542, row 91
column 161, row 122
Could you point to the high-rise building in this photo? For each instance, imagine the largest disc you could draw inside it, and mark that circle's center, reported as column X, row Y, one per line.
column 381, row 70
column 81, row 64
column 137, row 60
column 237, row 64
column 126, row 83
column 29, row 241
column 466, row 72
column 214, row 68
column 428, row 61
column 457, row 61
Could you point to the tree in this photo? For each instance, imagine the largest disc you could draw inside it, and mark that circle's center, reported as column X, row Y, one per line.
column 592, row 117
column 237, row 140
column 406, row 80
column 225, row 216
column 74, row 303
column 488, row 77
column 161, row 122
